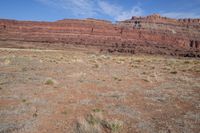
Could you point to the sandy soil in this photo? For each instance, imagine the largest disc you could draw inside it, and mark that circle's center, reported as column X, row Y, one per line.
column 84, row 92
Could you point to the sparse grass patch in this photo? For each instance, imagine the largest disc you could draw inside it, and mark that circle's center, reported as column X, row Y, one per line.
column 115, row 96
column 61, row 58
column 93, row 61
column 97, row 110
column 138, row 60
column 146, row 80
column 7, row 62
column 166, row 68
column 197, row 70
column 96, row 122
column 91, row 119
column 122, row 59
column 186, row 62
column 81, row 80
column 64, row 112
column 170, row 63
column 23, row 100
column 113, row 126
column 84, row 127
column 35, row 114
column 79, row 101
column 117, row 79
column 96, row 66
column 144, row 73
column 184, row 70
column 24, row 69
column 103, row 80
column 49, row 82
column 196, row 62
column 173, row 72
column 116, row 126
column 134, row 66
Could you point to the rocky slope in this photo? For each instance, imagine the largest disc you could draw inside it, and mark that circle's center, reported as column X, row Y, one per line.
column 152, row 34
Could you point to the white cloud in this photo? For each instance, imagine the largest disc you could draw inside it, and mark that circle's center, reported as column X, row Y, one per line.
column 92, row 8
column 117, row 12
column 83, row 8
column 109, row 9
column 135, row 11
column 96, row 8
column 181, row 14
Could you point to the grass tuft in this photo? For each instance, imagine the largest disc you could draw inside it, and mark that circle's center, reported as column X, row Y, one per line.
column 146, row 80
column 23, row 100
column 186, row 62
column 64, row 112
column 35, row 114
column 113, row 126
column 49, row 82
column 91, row 119
column 173, row 72
column 96, row 66
column 117, row 79
column 97, row 110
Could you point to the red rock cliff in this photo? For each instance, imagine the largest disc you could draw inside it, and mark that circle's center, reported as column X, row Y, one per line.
column 152, row 34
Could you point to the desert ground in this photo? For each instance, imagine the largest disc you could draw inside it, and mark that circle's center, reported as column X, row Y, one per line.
column 54, row 91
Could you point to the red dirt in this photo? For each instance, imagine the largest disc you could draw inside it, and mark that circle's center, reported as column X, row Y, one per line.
column 45, row 91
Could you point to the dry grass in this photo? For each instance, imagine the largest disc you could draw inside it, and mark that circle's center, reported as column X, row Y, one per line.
column 73, row 91
column 49, row 82
column 95, row 123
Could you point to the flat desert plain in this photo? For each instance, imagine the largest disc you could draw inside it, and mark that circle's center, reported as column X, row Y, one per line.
column 54, row 91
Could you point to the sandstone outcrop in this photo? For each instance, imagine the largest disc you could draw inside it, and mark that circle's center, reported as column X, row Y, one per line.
column 152, row 34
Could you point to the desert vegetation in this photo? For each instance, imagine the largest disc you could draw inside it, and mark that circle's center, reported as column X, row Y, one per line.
column 86, row 92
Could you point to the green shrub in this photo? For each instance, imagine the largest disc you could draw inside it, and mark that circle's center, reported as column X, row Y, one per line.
column 49, row 82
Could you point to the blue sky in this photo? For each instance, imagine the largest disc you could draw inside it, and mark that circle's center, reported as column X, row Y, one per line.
column 113, row 10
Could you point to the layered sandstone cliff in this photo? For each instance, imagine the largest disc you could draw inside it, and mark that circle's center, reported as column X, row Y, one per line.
column 152, row 34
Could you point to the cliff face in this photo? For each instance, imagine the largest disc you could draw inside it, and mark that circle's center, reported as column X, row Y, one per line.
column 152, row 34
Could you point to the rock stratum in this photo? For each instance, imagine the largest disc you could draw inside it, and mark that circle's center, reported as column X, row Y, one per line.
column 151, row 34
